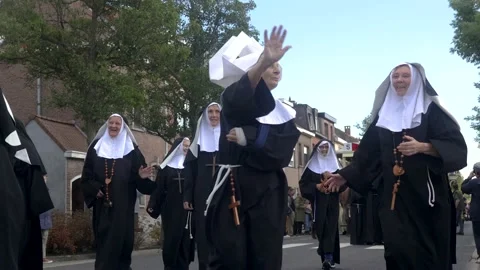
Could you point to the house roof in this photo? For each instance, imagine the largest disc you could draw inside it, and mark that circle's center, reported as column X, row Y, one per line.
column 341, row 134
column 66, row 134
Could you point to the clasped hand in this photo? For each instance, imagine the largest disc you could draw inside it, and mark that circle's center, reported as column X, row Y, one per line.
column 410, row 146
column 145, row 172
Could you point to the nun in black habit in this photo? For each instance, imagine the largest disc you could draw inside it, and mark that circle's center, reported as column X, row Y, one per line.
column 417, row 142
column 167, row 200
column 246, row 209
column 12, row 218
column 114, row 170
column 200, row 167
column 325, row 204
column 30, row 173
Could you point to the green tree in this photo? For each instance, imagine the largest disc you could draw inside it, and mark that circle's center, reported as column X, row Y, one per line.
column 466, row 42
column 363, row 126
column 97, row 49
column 182, row 87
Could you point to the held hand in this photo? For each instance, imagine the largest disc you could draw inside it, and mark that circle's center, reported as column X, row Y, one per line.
column 274, row 50
column 410, row 147
column 232, row 136
column 145, row 172
column 100, row 194
column 187, row 206
column 335, row 182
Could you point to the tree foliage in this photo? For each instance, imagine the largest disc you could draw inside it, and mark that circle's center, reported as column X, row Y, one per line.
column 147, row 59
column 466, row 43
column 97, row 49
column 206, row 26
column 363, row 126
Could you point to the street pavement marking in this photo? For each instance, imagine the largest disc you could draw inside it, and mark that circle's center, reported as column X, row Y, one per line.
column 296, row 245
column 342, row 245
column 376, row 247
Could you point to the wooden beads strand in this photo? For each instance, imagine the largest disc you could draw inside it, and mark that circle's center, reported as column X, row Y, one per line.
column 108, row 180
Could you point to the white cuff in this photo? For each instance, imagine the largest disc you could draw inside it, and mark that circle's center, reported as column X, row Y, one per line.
column 241, row 139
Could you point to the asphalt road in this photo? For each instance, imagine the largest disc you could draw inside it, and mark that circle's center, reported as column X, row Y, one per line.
column 299, row 253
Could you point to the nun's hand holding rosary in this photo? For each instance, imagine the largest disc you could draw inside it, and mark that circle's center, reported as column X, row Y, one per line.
column 410, row 146
column 335, row 182
column 145, row 172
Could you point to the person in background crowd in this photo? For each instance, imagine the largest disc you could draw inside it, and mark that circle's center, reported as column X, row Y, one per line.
column 471, row 185
column 45, row 224
column 459, row 206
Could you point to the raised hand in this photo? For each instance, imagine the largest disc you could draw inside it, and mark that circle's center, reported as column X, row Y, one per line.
column 274, row 50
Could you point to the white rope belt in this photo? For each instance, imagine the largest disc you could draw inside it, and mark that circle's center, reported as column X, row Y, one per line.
column 188, row 224
column 219, row 182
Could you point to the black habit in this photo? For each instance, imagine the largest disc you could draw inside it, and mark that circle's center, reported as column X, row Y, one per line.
column 37, row 201
column 12, row 218
column 114, row 226
column 199, row 170
column 420, row 232
column 260, row 183
column 325, row 209
column 167, row 200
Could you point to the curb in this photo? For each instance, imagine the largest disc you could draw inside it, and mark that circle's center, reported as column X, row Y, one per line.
column 91, row 256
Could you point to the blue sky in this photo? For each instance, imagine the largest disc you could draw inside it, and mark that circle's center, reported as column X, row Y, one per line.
column 343, row 50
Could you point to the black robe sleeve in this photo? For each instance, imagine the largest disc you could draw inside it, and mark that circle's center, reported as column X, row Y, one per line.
column 271, row 147
column 190, row 173
column 308, row 186
column 40, row 200
column 90, row 186
column 145, row 186
column 157, row 198
column 446, row 138
column 357, row 173
column 241, row 103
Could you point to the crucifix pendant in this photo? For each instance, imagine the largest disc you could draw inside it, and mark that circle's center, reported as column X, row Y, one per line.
column 397, row 170
column 179, row 182
column 213, row 165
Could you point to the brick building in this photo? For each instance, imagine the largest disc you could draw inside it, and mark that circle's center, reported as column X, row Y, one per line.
column 59, row 139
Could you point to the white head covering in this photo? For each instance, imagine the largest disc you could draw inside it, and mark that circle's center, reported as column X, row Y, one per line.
column 320, row 164
column 117, row 147
column 397, row 113
column 176, row 158
column 234, row 59
column 282, row 113
column 206, row 136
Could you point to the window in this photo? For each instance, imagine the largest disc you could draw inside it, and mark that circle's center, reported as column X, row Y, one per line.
column 331, row 134
column 292, row 160
column 300, row 155
column 325, row 130
column 311, row 123
column 305, row 154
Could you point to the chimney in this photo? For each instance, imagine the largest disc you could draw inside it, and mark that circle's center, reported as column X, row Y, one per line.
column 347, row 130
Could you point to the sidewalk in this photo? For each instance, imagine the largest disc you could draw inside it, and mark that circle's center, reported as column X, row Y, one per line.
column 466, row 250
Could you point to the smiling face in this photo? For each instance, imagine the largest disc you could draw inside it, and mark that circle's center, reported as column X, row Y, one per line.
column 323, row 149
column 272, row 76
column 401, row 79
column 214, row 115
column 186, row 145
column 114, row 126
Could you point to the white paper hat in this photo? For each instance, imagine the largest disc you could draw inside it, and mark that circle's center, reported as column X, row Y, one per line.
column 234, row 59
